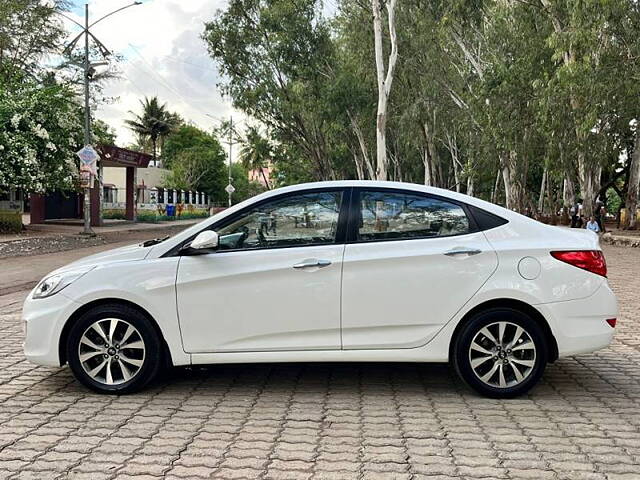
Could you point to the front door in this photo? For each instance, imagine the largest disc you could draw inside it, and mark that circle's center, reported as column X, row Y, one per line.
column 413, row 262
column 274, row 284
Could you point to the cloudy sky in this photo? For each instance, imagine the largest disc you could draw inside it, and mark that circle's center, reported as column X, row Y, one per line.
column 164, row 56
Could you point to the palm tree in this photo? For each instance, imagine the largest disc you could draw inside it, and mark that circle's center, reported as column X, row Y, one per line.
column 256, row 152
column 155, row 123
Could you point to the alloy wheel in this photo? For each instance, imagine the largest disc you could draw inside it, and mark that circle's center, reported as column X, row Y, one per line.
column 111, row 351
column 502, row 354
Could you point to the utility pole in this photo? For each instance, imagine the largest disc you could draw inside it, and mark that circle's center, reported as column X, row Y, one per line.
column 87, row 65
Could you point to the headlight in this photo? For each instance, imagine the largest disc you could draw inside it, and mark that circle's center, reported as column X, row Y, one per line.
column 54, row 283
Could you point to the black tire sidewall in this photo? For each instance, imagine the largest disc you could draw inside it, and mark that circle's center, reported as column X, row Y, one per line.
column 149, row 335
column 479, row 321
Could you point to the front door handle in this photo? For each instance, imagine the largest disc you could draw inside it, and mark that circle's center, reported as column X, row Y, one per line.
column 462, row 251
column 312, row 263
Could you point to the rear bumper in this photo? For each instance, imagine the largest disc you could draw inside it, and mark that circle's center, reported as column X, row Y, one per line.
column 579, row 326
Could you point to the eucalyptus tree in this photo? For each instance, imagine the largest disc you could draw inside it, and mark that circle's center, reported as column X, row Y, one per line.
column 275, row 57
column 384, row 76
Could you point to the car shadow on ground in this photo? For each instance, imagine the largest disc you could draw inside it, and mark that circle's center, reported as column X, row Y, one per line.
column 573, row 376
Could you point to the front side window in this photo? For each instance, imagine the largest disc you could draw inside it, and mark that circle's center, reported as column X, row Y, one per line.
column 393, row 215
column 296, row 220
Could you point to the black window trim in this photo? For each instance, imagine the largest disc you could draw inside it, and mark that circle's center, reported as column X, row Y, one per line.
column 343, row 218
column 352, row 228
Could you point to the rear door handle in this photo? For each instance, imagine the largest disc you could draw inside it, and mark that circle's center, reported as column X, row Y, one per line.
column 312, row 263
column 463, row 251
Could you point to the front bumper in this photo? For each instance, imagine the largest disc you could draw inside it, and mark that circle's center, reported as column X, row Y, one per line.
column 43, row 320
column 579, row 326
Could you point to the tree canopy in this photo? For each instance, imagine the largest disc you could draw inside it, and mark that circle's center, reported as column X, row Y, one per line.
column 531, row 104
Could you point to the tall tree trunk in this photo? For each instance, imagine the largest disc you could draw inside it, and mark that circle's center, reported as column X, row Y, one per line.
column 430, row 158
column 496, row 185
column 568, row 192
column 384, row 81
column 154, row 143
column 588, row 172
column 513, row 197
column 363, row 150
column 633, row 185
column 543, row 188
column 453, row 150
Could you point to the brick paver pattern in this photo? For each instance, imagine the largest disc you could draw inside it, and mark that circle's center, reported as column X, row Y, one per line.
column 333, row 421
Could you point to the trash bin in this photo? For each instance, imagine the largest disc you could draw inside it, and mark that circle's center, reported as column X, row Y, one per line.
column 171, row 210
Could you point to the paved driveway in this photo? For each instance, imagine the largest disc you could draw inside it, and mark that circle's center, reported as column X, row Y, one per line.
column 352, row 421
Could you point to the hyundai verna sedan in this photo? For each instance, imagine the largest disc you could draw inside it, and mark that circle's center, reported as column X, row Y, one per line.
column 333, row 271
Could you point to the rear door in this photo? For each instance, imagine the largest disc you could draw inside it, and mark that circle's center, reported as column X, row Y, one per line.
column 411, row 262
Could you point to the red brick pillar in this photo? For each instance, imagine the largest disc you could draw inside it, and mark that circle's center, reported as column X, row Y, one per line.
column 130, row 212
column 36, row 202
column 96, row 220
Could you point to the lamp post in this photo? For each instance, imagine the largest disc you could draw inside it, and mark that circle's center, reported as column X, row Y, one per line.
column 86, row 66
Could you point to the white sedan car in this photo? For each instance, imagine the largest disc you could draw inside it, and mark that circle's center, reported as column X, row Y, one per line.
column 347, row 271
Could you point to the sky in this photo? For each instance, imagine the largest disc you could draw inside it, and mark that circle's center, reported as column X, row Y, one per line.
column 163, row 55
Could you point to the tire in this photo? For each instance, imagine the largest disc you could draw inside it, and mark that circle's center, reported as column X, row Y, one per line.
column 98, row 360
column 509, row 369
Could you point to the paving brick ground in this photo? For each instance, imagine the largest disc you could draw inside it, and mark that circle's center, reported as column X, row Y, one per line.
column 345, row 421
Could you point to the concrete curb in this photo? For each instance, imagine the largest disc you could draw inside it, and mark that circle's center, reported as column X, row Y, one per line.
column 620, row 240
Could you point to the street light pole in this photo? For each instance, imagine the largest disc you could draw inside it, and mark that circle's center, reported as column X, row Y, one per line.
column 230, row 146
column 86, row 68
column 87, row 121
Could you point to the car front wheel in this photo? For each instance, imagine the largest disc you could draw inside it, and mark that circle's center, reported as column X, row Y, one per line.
column 500, row 353
column 113, row 349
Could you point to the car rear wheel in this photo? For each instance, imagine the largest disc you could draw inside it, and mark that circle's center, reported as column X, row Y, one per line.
column 500, row 353
column 114, row 349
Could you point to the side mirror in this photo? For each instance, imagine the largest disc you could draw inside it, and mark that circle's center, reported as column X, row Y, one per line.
column 206, row 240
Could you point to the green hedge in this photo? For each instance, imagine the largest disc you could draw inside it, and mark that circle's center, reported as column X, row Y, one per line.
column 113, row 214
column 10, row 221
column 151, row 216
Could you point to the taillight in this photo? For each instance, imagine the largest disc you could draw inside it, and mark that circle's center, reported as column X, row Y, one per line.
column 611, row 322
column 590, row 260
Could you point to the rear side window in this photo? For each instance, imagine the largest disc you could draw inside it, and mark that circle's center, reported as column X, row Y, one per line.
column 398, row 215
column 484, row 219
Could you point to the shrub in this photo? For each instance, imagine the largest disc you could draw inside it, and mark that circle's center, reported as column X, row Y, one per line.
column 113, row 214
column 10, row 221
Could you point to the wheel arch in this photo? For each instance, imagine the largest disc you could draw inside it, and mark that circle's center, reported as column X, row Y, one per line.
column 64, row 336
column 515, row 305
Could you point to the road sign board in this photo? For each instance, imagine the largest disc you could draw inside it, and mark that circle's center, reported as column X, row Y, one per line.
column 88, row 154
column 229, row 188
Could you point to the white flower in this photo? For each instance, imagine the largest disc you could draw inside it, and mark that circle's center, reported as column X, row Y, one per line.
column 51, row 146
column 15, row 120
column 41, row 132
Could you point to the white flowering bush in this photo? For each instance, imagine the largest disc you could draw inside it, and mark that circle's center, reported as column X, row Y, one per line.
column 40, row 131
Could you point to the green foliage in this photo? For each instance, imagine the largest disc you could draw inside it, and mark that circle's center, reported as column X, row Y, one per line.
column 484, row 90
column 113, row 214
column 29, row 30
column 196, row 161
column 39, row 135
column 154, row 124
column 244, row 188
column 10, row 222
